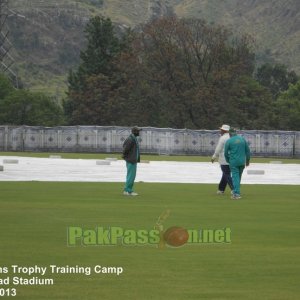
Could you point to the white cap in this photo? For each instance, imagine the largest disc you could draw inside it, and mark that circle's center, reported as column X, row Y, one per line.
column 225, row 127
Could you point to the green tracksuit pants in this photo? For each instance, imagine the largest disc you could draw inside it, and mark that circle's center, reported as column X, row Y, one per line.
column 236, row 174
column 131, row 173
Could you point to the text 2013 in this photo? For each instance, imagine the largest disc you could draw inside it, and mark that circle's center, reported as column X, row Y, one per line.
column 8, row 292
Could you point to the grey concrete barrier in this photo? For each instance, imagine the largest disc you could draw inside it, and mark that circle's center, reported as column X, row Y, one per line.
column 10, row 161
column 256, row 172
column 111, row 158
column 145, row 161
column 102, row 162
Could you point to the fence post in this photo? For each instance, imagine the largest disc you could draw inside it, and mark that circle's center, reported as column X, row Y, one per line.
column 294, row 145
column 77, row 138
column 96, row 138
column 22, row 138
column 149, row 141
column 257, row 142
column 42, row 138
column 59, row 141
column 113, row 133
column 277, row 144
column 6, row 138
column 185, row 145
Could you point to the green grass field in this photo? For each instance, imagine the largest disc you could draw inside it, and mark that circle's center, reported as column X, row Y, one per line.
column 262, row 261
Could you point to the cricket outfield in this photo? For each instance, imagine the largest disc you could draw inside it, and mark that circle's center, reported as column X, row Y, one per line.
column 260, row 262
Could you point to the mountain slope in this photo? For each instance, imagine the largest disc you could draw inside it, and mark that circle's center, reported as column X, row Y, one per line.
column 275, row 25
column 48, row 34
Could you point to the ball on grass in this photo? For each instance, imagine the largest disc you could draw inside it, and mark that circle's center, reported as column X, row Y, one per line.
column 176, row 236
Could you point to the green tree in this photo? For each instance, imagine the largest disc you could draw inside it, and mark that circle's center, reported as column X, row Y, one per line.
column 287, row 108
column 174, row 73
column 103, row 46
column 276, row 78
column 251, row 105
column 192, row 66
column 6, row 87
column 22, row 107
column 133, row 98
column 94, row 109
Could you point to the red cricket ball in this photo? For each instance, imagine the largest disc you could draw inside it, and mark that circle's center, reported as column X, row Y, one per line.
column 176, row 236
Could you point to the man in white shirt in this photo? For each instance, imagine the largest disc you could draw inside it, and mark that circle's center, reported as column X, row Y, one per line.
column 219, row 152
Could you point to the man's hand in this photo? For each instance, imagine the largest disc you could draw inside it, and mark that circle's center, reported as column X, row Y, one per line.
column 247, row 163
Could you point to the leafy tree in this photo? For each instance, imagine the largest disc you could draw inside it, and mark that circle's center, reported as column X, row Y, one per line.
column 172, row 73
column 6, row 87
column 276, row 78
column 192, row 65
column 22, row 107
column 251, row 105
column 102, row 46
column 85, row 94
column 133, row 98
column 112, row 99
column 94, row 109
column 288, row 108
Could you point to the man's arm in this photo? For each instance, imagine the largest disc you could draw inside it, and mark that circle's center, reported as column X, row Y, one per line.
column 127, row 146
column 218, row 149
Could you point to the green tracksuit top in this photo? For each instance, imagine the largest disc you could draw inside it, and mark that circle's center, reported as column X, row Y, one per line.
column 236, row 151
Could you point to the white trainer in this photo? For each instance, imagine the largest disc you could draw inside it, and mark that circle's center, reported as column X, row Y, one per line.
column 133, row 194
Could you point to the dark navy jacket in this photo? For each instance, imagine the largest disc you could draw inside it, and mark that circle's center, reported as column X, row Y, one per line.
column 131, row 152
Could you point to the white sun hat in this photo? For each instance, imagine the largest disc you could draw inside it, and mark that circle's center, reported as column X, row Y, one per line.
column 225, row 127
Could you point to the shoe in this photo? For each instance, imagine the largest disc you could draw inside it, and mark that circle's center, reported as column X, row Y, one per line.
column 220, row 192
column 130, row 194
column 133, row 194
column 236, row 197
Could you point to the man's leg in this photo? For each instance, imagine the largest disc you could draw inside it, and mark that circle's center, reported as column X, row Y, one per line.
column 223, row 181
column 241, row 169
column 131, row 173
column 235, row 171
column 226, row 178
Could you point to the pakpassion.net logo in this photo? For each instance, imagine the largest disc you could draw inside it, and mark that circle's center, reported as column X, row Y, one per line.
column 174, row 236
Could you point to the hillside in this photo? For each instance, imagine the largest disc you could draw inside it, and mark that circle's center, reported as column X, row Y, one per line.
column 48, row 34
column 274, row 24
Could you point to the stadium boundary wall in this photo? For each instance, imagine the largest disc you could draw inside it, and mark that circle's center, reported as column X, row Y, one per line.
column 163, row 141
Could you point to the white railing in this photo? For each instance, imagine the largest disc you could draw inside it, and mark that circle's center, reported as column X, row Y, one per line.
column 165, row 141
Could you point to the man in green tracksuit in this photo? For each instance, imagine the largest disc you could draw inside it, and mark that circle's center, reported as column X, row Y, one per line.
column 131, row 154
column 237, row 154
